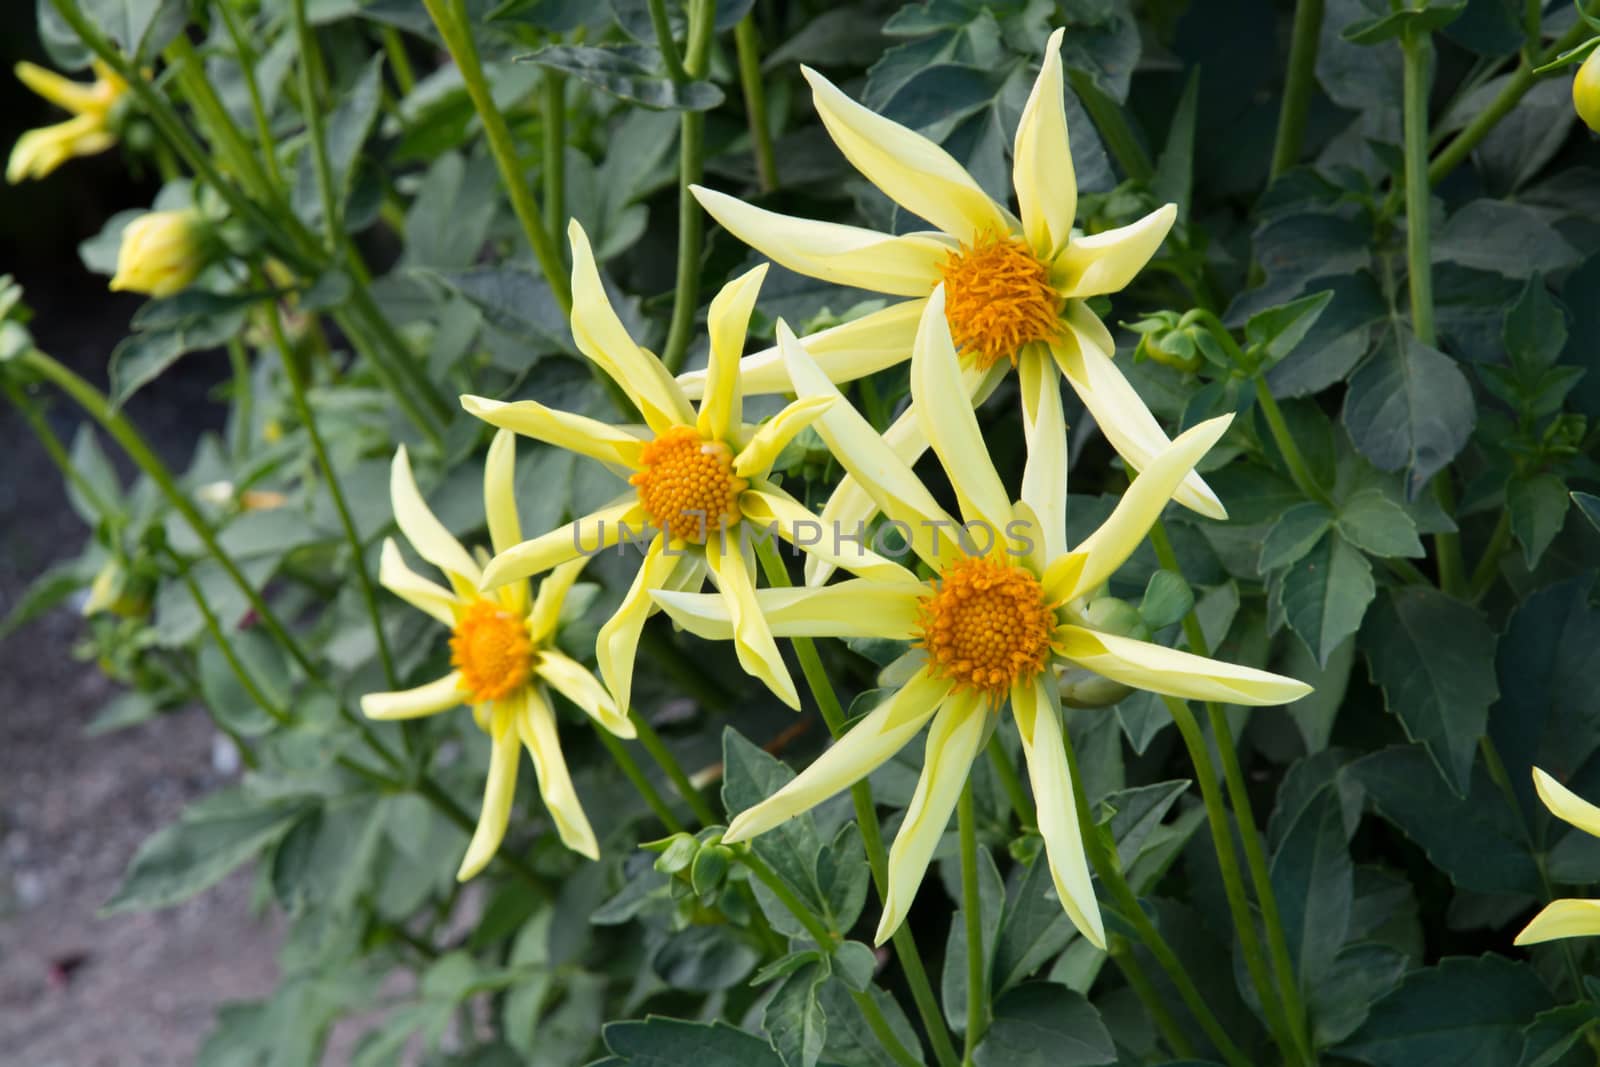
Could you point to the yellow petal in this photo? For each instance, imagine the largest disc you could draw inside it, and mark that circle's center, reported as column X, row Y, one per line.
column 908, row 265
column 845, row 352
column 728, row 320
column 859, row 449
column 499, row 491
column 1562, row 918
column 1159, row 669
column 752, row 638
column 1044, row 429
column 1061, row 577
column 1122, row 416
column 869, row 744
column 619, row 523
column 1125, row 528
column 425, row 532
column 575, row 433
column 39, row 152
column 910, row 169
column 953, row 742
column 547, row 603
column 851, row 505
column 413, row 588
column 601, row 336
column 773, row 436
column 76, row 97
column 1038, row 714
column 1041, row 160
column 499, row 790
column 572, row 680
column 618, row 641
column 537, row 727
column 939, row 397
column 430, row 699
column 857, row 607
column 1566, row 805
column 1105, row 262
column 771, row 511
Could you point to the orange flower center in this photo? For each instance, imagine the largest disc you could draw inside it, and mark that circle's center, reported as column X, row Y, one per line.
column 997, row 298
column 986, row 625
column 688, row 485
column 492, row 650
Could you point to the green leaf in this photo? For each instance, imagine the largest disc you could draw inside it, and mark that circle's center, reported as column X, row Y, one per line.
column 1341, row 999
column 842, row 877
column 1502, row 237
column 1295, row 533
column 750, row 775
column 1033, row 927
column 1536, row 327
column 1042, row 1024
column 169, row 329
column 1313, row 879
column 1275, row 332
column 1174, row 177
column 208, row 841
column 1538, row 509
column 45, row 592
column 1466, row 1012
column 854, row 964
column 449, row 219
column 1388, row 27
column 991, row 898
column 1478, row 842
column 514, row 299
column 1589, row 504
column 660, row 1042
column 851, row 1042
column 1555, row 1037
column 1167, row 598
column 633, row 72
column 226, row 696
column 1374, row 523
column 141, row 27
column 1326, row 593
column 705, row 959
column 1434, row 658
column 794, row 1020
column 1409, row 407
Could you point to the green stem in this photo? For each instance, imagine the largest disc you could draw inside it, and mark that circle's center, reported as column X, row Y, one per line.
column 1488, row 568
column 828, row 940
column 247, row 68
column 904, row 942
column 663, row 757
column 555, row 150
column 1297, row 88
column 308, row 418
column 1416, row 48
column 664, row 42
column 230, row 140
column 1128, row 907
column 1011, row 781
column 972, row 913
column 1293, row 458
column 450, row 17
column 332, row 226
column 691, row 163
column 1447, row 544
column 1228, row 864
column 246, row 680
column 1244, row 817
column 1133, row 973
column 394, row 46
column 53, row 447
column 747, row 41
column 635, row 774
column 243, row 394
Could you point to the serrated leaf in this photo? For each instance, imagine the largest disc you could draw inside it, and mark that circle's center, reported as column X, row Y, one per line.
column 1167, row 598
column 854, row 964
column 1538, row 508
column 991, row 897
column 1589, row 504
column 794, row 1020
column 750, row 775
column 1313, row 879
column 1536, row 328
column 1374, row 523
column 1296, row 532
column 1325, row 595
column 661, row 1042
column 632, row 72
column 1409, row 407
column 1275, row 332
column 1042, row 1024
column 1388, row 27
column 1466, row 1012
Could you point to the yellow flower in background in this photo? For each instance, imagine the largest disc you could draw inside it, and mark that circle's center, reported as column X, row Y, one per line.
column 698, row 480
column 88, row 132
column 162, row 252
column 1007, row 611
column 1586, row 91
column 1564, row 918
column 502, row 649
column 1014, row 288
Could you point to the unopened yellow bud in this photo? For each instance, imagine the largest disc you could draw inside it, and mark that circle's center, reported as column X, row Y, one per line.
column 90, row 130
column 162, row 252
column 1586, row 91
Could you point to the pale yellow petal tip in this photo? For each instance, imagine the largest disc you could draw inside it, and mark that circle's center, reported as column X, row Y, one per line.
column 888, row 924
column 1053, row 45
column 500, row 571
column 472, row 866
column 478, row 405
column 738, row 830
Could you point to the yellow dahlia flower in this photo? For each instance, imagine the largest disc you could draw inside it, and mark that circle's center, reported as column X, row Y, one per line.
column 161, row 253
column 699, row 492
column 1564, row 918
column 1015, row 289
column 502, row 649
column 1000, row 619
column 38, row 152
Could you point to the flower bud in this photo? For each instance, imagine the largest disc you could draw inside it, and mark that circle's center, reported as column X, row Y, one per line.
column 1586, row 91
column 162, row 252
column 1113, row 616
column 710, row 867
column 1085, row 689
